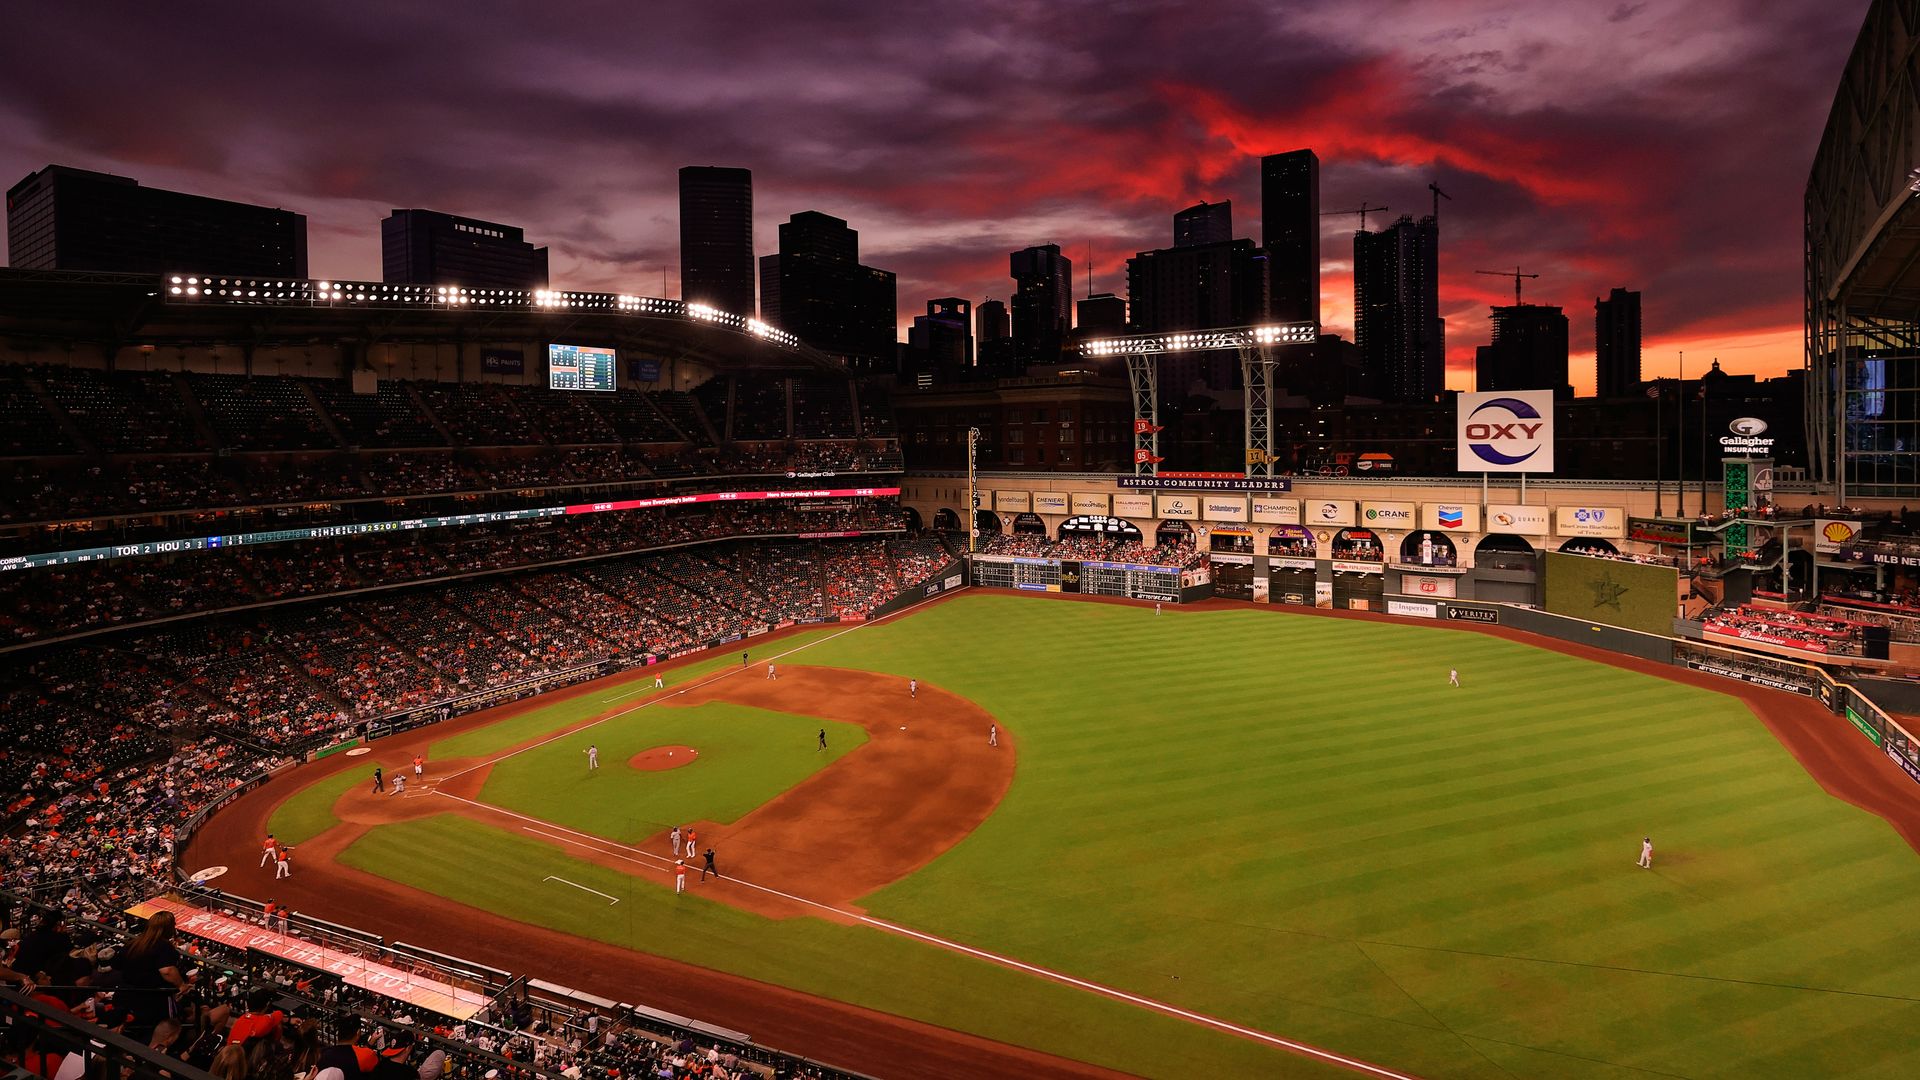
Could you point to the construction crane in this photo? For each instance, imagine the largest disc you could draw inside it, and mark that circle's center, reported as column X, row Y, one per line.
column 1363, row 211
column 1516, row 275
column 1437, row 196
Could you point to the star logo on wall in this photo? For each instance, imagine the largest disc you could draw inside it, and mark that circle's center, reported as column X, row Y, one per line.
column 1607, row 592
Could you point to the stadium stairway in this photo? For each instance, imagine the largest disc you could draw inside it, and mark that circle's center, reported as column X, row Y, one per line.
column 61, row 420
column 320, row 411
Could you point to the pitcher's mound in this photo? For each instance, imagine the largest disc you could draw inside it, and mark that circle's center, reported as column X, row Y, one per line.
column 664, row 757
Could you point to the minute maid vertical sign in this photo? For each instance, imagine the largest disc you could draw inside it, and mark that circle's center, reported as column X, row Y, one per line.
column 1505, row 431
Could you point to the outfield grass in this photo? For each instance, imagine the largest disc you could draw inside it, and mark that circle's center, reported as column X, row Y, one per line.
column 747, row 756
column 1293, row 823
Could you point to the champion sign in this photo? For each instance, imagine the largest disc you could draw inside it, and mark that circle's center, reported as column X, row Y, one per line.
column 1508, row 432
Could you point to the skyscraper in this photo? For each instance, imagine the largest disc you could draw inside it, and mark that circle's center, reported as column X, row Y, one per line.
column 1101, row 313
column 816, row 289
column 941, row 341
column 1616, row 344
column 1529, row 351
column 1290, row 231
column 70, row 219
column 716, row 238
column 1203, row 223
column 1197, row 287
column 1396, row 308
column 992, row 338
column 1042, row 303
column 426, row 247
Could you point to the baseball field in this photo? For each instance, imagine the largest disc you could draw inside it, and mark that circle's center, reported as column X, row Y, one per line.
column 1208, row 843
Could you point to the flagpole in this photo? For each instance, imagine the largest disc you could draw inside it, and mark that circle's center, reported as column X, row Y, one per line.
column 1659, row 452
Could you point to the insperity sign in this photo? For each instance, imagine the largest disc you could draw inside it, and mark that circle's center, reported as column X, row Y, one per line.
column 1505, row 431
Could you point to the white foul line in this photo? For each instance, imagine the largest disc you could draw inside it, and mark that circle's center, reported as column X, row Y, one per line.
column 618, row 850
column 612, row 899
column 691, row 686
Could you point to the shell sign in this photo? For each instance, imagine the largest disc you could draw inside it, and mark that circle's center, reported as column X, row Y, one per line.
column 1830, row 534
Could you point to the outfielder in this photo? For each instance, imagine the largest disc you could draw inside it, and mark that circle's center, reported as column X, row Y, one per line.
column 1646, row 853
column 1453, row 676
column 593, row 756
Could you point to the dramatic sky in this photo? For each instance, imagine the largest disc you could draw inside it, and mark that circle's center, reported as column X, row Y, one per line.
column 1660, row 145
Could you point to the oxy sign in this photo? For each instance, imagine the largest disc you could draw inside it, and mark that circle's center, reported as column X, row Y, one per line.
column 1508, row 431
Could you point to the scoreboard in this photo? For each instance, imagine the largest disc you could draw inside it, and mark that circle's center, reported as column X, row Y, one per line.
column 580, row 367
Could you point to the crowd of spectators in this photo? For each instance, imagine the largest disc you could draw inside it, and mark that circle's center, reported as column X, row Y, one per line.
column 1794, row 629
column 82, row 443
column 50, row 601
column 289, row 676
column 243, row 1015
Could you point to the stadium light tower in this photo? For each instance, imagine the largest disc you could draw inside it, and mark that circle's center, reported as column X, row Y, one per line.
column 1253, row 343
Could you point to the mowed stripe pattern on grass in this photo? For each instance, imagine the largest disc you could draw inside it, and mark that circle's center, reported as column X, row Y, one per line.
column 1300, row 820
column 497, row 871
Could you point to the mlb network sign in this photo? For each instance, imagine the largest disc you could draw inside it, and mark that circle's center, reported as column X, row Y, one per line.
column 1508, row 431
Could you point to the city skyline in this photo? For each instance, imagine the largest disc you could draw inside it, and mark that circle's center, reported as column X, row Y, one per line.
column 1660, row 147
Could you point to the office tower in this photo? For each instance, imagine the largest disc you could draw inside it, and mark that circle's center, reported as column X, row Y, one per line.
column 1203, row 223
column 425, row 247
column 1196, row 288
column 1616, row 344
column 70, row 219
column 1528, row 352
column 1396, row 308
column 716, row 238
column 941, row 341
column 1101, row 314
column 816, row 289
column 1042, row 303
column 993, row 339
column 1290, row 232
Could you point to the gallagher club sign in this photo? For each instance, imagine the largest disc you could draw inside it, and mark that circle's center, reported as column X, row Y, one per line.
column 1747, row 438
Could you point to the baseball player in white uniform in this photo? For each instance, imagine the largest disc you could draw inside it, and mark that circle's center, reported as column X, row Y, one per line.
column 1453, row 676
column 593, row 756
column 675, row 834
column 769, row 671
column 1646, row 853
column 913, row 688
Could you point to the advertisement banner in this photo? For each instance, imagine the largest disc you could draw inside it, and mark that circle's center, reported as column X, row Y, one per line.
column 1412, row 610
column 1487, row 616
column 1171, row 482
column 1603, row 521
column 1084, row 502
column 1183, row 507
column 1049, row 502
column 1356, row 567
column 1866, row 726
column 1224, row 507
column 503, row 362
column 1505, row 431
column 1830, row 533
column 1387, row 515
column 1331, row 512
column 1518, row 520
column 1279, row 563
column 1015, row 501
column 1276, row 511
column 1900, row 759
column 1128, row 505
column 1426, row 585
column 643, row 370
column 1450, row 517
column 1231, row 560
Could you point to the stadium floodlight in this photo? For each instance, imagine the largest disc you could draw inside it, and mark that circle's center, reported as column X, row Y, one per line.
column 1235, row 337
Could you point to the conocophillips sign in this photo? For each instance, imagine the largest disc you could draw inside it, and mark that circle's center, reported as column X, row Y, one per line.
column 1505, row 431
column 1747, row 436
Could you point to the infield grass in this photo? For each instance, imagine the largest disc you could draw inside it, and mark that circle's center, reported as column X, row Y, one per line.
column 747, row 756
column 1293, row 823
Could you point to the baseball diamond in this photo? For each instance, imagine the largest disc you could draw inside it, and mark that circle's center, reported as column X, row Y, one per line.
column 1181, row 858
